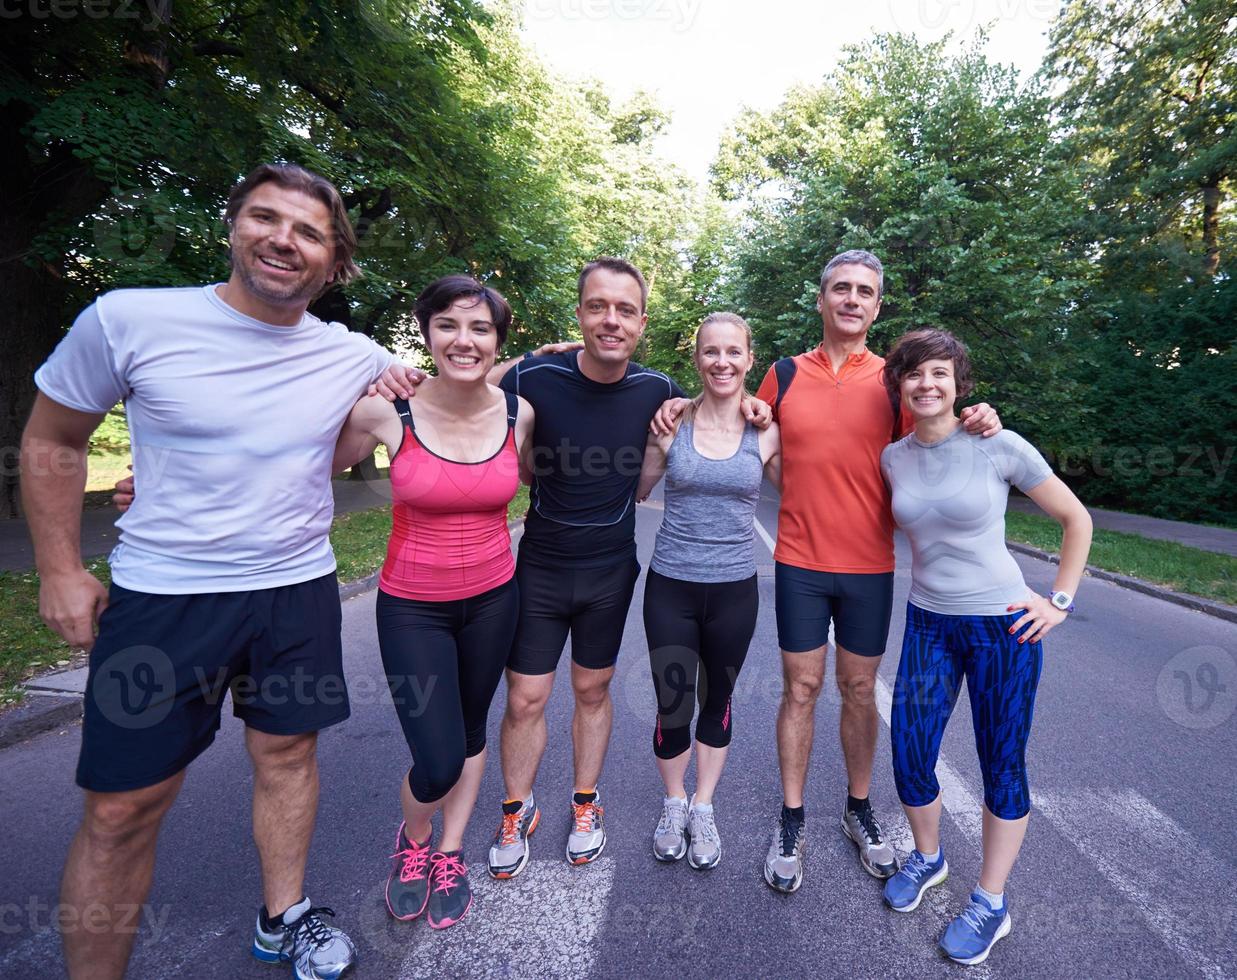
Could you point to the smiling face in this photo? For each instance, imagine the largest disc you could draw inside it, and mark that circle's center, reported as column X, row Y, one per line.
column 929, row 389
column 723, row 357
column 463, row 340
column 849, row 302
column 611, row 317
column 283, row 248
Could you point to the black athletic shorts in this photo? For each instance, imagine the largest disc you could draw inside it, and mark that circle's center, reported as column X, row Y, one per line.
column 162, row 664
column 859, row 605
column 589, row 603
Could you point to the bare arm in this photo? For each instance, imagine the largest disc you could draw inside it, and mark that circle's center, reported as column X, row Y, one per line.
column 654, row 466
column 53, row 479
column 1059, row 503
column 367, row 425
column 771, row 454
column 524, row 441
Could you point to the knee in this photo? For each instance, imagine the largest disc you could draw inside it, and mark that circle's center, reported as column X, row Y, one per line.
column 593, row 695
column 433, row 778
column 1007, row 793
column 802, row 691
column 525, row 706
column 287, row 752
column 857, row 689
column 114, row 820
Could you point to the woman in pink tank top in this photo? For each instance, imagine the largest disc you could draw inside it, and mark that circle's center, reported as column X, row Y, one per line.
column 447, row 600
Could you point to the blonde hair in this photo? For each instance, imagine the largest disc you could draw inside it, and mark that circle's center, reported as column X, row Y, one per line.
column 723, row 317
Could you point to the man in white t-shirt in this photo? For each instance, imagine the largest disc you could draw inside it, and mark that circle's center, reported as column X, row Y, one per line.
column 224, row 578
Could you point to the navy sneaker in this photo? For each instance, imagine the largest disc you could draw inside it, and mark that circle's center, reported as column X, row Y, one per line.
column 904, row 891
column 970, row 937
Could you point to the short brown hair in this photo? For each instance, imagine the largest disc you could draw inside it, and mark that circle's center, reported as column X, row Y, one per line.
column 916, row 346
column 612, row 264
column 441, row 293
column 297, row 178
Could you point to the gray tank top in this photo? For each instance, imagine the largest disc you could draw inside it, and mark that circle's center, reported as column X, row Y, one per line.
column 706, row 532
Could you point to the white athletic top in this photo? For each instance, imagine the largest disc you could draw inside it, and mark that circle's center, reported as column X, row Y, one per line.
column 233, row 424
column 949, row 497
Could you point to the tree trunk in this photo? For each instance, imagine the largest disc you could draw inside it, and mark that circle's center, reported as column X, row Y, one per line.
column 1211, row 227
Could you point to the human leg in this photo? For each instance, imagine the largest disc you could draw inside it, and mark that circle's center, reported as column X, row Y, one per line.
column 110, row 867
column 729, row 622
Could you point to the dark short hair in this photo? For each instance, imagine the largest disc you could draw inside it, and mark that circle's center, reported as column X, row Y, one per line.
column 441, row 293
column 916, row 346
column 621, row 266
column 297, row 178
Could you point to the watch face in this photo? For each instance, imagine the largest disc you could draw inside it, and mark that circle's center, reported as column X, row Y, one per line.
column 1062, row 600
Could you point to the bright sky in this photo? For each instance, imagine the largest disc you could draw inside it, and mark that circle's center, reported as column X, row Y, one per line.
column 706, row 59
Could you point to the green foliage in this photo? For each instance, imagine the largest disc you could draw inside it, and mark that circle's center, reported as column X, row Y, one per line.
column 939, row 164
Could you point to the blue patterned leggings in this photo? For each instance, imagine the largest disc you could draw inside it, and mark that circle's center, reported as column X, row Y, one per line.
column 1001, row 678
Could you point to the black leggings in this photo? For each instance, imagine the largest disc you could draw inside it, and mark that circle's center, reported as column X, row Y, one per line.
column 443, row 662
column 696, row 628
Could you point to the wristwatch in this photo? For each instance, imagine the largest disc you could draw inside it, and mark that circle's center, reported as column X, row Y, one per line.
column 1062, row 600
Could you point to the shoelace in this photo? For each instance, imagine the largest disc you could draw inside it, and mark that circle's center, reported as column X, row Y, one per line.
column 446, row 872
column 415, row 859
column 916, row 866
column 509, row 832
column 588, row 815
column 871, row 829
column 703, row 827
column 976, row 916
column 791, row 829
column 672, row 818
column 308, row 928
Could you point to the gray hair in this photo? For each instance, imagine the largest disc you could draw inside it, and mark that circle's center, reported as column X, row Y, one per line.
column 856, row 256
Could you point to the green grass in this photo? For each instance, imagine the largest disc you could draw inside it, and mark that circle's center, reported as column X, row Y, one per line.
column 108, row 459
column 1183, row 569
column 27, row 647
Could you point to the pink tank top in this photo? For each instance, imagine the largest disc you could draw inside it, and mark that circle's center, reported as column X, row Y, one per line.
column 449, row 537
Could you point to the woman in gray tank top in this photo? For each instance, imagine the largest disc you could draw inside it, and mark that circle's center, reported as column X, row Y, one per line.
column 700, row 597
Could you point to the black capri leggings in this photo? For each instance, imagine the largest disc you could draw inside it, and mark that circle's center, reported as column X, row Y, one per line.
column 698, row 634
column 443, row 661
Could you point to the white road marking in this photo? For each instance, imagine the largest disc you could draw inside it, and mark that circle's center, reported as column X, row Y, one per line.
column 1180, row 889
column 764, row 535
column 541, row 924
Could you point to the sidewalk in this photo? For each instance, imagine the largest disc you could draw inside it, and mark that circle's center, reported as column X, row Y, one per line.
column 1217, row 539
column 99, row 533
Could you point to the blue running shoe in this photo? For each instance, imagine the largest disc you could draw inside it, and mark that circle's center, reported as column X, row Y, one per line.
column 970, row 937
column 904, row 891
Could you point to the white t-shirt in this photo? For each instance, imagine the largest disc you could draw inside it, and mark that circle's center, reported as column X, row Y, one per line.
column 233, row 425
column 949, row 498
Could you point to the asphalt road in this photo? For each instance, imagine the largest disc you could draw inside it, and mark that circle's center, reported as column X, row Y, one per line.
column 1127, row 869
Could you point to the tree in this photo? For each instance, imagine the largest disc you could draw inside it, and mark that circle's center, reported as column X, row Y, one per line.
column 943, row 166
column 1149, row 89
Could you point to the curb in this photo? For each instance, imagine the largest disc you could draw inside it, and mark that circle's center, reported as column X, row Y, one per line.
column 1218, row 609
column 40, row 712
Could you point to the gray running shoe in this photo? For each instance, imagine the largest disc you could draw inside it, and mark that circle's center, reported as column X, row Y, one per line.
column 408, row 885
column 588, row 831
column 669, row 842
column 875, row 854
column 509, row 852
column 784, row 862
column 315, row 950
column 705, row 849
column 450, row 894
